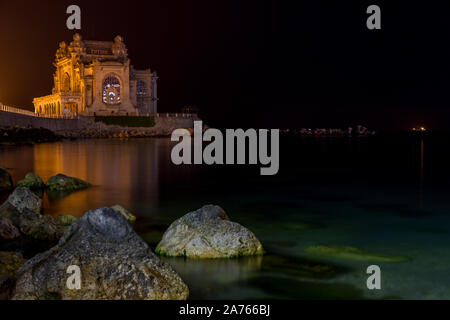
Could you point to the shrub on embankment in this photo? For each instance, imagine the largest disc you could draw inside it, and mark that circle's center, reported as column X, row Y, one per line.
column 127, row 121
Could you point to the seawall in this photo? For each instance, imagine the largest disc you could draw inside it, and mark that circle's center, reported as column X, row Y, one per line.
column 164, row 125
column 10, row 119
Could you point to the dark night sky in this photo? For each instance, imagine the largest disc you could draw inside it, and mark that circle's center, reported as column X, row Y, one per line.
column 253, row 63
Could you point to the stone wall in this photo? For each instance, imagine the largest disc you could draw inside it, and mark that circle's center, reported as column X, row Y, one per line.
column 9, row 119
column 163, row 125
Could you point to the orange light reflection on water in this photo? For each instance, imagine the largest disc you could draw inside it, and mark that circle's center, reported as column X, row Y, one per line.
column 121, row 172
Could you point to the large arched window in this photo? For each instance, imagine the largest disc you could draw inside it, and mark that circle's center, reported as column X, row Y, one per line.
column 111, row 90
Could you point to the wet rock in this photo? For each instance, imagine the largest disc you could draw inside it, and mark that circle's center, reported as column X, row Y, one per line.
column 10, row 262
column 6, row 182
column 42, row 228
column 7, row 230
column 61, row 182
column 23, row 209
column 127, row 214
column 208, row 233
column 31, row 181
column 115, row 264
column 351, row 253
column 22, row 199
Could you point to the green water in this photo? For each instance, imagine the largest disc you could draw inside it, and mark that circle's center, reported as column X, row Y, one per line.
column 338, row 193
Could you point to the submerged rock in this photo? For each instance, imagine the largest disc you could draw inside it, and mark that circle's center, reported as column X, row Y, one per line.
column 351, row 253
column 61, row 182
column 31, row 181
column 127, row 214
column 6, row 182
column 10, row 262
column 65, row 219
column 115, row 264
column 208, row 233
column 23, row 208
column 7, row 230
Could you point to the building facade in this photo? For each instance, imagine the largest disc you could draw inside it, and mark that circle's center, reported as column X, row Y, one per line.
column 96, row 78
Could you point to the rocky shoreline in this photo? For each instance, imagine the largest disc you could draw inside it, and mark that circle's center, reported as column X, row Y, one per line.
column 116, row 263
column 88, row 128
column 14, row 135
column 17, row 135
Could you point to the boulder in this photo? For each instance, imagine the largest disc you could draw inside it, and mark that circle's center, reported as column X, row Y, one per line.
column 10, row 262
column 23, row 208
column 22, row 200
column 7, row 230
column 127, row 214
column 114, row 263
column 6, row 182
column 61, row 182
column 208, row 233
column 31, row 181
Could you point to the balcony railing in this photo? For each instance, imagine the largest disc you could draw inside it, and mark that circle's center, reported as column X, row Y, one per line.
column 38, row 115
column 16, row 110
column 32, row 114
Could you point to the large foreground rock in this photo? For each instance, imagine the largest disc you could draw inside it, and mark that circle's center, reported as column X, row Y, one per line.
column 23, row 209
column 6, row 182
column 115, row 263
column 61, row 182
column 208, row 233
column 31, row 181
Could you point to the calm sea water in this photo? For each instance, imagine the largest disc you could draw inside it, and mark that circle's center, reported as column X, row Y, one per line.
column 388, row 195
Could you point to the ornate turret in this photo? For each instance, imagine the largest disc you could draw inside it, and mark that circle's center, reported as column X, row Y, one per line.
column 63, row 52
column 118, row 48
column 77, row 45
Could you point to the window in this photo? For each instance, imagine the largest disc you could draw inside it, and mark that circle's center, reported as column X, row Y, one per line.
column 66, row 82
column 141, row 88
column 111, row 90
column 141, row 92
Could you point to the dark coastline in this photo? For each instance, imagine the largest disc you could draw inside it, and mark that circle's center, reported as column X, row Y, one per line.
column 18, row 135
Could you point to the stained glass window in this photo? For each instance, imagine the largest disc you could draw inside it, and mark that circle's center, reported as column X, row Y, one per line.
column 111, row 90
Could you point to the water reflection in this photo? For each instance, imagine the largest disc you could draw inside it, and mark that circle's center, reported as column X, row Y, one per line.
column 205, row 276
column 421, row 175
column 122, row 172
